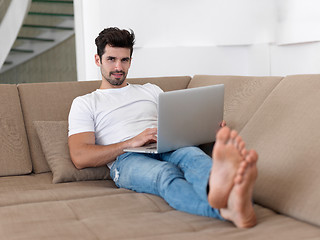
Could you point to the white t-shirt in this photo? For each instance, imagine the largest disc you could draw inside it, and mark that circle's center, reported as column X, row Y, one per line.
column 115, row 115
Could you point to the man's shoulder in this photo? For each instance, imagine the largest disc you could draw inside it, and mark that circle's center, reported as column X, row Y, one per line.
column 148, row 86
column 86, row 97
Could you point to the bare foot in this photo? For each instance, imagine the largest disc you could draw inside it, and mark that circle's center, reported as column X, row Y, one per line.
column 240, row 209
column 228, row 154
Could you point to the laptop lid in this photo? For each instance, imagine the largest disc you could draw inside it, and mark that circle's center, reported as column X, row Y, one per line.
column 189, row 117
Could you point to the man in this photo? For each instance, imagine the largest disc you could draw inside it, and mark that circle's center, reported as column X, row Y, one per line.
column 119, row 115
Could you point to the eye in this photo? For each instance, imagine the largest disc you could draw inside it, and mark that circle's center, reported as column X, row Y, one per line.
column 125, row 59
column 111, row 59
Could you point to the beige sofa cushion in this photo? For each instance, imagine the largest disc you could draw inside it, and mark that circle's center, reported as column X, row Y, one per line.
column 243, row 95
column 98, row 210
column 285, row 132
column 53, row 137
column 48, row 102
column 42, row 210
column 14, row 149
column 52, row 101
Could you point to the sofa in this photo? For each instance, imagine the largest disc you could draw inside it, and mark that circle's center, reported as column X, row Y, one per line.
column 43, row 196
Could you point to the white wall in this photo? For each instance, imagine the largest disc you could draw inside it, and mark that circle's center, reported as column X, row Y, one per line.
column 188, row 37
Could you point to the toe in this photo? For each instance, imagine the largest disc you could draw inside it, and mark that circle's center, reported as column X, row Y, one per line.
column 251, row 156
column 233, row 135
column 239, row 143
column 223, row 135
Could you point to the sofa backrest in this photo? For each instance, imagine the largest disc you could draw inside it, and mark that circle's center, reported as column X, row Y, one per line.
column 285, row 132
column 14, row 149
column 52, row 102
column 44, row 102
column 243, row 95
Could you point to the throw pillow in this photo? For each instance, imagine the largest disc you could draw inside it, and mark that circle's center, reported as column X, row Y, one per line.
column 53, row 136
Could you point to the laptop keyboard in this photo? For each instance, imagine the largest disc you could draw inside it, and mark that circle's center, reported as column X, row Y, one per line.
column 153, row 147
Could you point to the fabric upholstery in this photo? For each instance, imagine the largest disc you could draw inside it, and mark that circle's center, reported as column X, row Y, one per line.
column 48, row 102
column 285, row 132
column 14, row 149
column 53, row 137
column 243, row 95
column 34, row 208
column 98, row 210
column 33, row 188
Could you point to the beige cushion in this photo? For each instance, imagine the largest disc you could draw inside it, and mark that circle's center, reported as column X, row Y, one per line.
column 243, row 95
column 48, row 102
column 14, row 149
column 133, row 216
column 285, row 132
column 54, row 142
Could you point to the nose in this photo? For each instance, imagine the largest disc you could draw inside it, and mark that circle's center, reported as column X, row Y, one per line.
column 118, row 66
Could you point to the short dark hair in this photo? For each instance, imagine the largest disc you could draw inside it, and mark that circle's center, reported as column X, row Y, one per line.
column 114, row 37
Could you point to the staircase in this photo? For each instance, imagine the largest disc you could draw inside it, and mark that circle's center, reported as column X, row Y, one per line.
column 47, row 24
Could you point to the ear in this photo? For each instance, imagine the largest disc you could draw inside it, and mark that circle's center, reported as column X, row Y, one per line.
column 97, row 60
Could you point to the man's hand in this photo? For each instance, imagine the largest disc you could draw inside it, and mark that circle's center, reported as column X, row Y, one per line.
column 147, row 136
column 85, row 153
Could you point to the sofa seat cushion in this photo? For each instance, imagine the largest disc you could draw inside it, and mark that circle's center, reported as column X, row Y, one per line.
column 285, row 133
column 98, row 210
column 39, row 188
column 53, row 137
column 14, row 149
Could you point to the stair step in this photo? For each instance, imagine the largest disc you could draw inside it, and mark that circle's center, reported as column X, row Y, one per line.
column 50, row 27
column 21, row 50
column 36, row 39
column 47, row 23
column 51, row 1
column 51, row 14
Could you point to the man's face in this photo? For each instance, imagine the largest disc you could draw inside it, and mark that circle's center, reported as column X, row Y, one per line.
column 114, row 65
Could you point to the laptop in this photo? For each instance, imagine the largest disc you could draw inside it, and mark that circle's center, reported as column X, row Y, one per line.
column 187, row 117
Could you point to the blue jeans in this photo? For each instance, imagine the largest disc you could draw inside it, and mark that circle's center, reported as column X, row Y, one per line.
column 179, row 177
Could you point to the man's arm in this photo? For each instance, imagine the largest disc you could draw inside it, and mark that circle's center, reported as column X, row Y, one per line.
column 85, row 153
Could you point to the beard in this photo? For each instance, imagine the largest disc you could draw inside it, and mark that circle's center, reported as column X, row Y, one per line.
column 116, row 81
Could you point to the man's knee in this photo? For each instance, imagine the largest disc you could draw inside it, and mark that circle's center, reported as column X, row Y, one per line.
column 167, row 176
column 188, row 151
